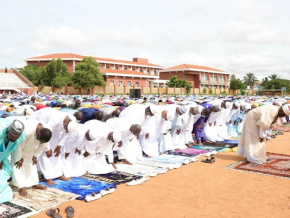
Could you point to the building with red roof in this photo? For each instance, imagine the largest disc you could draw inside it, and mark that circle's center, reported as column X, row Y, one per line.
column 138, row 72
column 199, row 76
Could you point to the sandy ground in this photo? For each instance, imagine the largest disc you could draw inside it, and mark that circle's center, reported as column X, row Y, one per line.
column 198, row 190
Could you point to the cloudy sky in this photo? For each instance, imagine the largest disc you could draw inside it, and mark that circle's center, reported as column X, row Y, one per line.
column 237, row 36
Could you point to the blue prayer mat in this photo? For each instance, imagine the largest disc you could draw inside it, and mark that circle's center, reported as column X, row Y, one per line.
column 229, row 141
column 80, row 186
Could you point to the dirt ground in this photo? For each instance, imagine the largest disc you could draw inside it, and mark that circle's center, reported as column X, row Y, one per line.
column 198, row 190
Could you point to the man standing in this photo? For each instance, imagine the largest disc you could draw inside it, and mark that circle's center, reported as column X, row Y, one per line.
column 24, row 158
column 11, row 135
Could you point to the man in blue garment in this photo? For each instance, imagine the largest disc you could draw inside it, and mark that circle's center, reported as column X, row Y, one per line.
column 198, row 127
column 90, row 114
column 11, row 135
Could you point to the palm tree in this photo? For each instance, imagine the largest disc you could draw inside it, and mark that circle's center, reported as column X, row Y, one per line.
column 274, row 77
column 264, row 81
column 250, row 79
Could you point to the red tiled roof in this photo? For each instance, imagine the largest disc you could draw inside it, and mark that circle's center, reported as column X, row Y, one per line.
column 189, row 66
column 71, row 55
column 129, row 72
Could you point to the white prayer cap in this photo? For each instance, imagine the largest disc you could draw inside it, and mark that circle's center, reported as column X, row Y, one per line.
column 93, row 133
column 237, row 104
column 29, row 111
column 16, row 128
column 153, row 109
column 117, row 137
column 217, row 107
column 139, row 101
column 72, row 126
column 228, row 105
column 198, row 109
column 286, row 109
column 183, row 109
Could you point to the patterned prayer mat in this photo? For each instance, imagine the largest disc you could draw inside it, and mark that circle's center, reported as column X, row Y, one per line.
column 115, row 178
column 10, row 210
column 229, row 141
column 149, row 162
column 278, row 165
column 80, row 186
column 209, row 148
column 40, row 199
column 189, row 152
column 283, row 128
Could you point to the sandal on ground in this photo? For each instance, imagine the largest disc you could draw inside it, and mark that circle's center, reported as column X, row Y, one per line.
column 53, row 213
column 211, row 160
column 69, row 210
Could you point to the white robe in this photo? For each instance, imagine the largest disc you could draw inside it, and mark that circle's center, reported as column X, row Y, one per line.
column 27, row 175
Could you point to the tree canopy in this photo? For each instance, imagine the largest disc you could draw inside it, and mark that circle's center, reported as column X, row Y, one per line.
column 236, row 84
column 250, row 79
column 179, row 83
column 87, row 74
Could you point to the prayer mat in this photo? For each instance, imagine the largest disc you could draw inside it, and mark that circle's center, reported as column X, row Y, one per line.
column 10, row 210
column 229, row 141
column 277, row 165
column 138, row 169
column 80, row 186
column 283, row 128
column 171, row 159
column 210, row 148
column 115, row 178
column 189, row 152
column 38, row 199
column 149, row 162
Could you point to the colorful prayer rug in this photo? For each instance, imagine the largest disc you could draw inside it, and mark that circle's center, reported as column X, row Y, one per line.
column 115, row 178
column 210, row 148
column 277, row 165
column 229, row 141
column 171, row 159
column 10, row 210
column 40, row 199
column 189, row 152
column 283, row 128
column 80, row 186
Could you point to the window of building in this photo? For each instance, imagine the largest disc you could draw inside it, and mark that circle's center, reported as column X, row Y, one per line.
column 125, row 68
column 204, row 77
column 107, row 67
column 221, row 78
column 120, row 83
column 137, row 84
column 213, row 78
column 111, row 82
column 116, row 68
column 154, row 72
column 140, row 70
column 128, row 83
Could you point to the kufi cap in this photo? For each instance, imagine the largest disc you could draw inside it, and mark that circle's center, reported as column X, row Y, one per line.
column 286, row 109
column 237, row 104
column 217, row 107
column 183, row 109
column 16, row 128
column 228, row 105
column 117, row 136
column 198, row 109
column 93, row 133
column 153, row 109
column 72, row 126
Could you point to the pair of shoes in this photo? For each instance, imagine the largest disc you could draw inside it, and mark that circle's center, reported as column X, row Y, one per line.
column 137, row 182
column 69, row 210
column 107, row 191
column 211, row 160
column 92, row 197
column 53, row 213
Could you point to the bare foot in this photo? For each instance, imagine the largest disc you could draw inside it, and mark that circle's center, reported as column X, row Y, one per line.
column 160, row 154
column 50, row 182
column 42, row 187
column 178, row 149
column 64, row 178
column 125, row 161
column 23, row 192
column 114, row 165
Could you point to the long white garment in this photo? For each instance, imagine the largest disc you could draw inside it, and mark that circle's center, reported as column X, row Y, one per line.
column 165, row 142
column 52, row 167
column 27, row 175
column 96, row 162
column 73, row 165
column 131, row 148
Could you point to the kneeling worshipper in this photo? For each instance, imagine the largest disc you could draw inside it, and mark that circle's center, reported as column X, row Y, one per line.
column 130, row 151
column 50, row 161
column 98, row 142
column 109, row 112
column 252, row 144
column 11, row 135
column 24, row 158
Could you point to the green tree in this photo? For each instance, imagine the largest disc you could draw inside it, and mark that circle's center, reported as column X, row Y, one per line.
column 33, row 73
column 264, row 81
column 179, row 83
column 236, row 84
column 250, row 79
column 274, row 76
column 87, row 74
